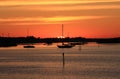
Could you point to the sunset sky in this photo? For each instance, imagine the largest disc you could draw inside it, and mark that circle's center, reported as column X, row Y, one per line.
column 44, row 18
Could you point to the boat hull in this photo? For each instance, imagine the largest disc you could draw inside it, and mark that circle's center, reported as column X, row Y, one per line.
column 64, row 46
column 29, row 46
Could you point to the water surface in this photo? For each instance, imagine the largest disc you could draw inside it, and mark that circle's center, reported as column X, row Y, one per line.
column 90, row 61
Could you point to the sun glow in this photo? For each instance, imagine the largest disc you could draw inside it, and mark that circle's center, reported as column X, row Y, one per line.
column 59, row 37
column 53, row 19
column 70, row 18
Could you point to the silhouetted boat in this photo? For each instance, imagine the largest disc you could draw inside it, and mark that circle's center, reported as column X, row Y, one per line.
column 29, row 46
column 64, row 45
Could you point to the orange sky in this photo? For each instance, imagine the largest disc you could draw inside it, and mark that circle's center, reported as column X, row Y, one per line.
column 43, row 18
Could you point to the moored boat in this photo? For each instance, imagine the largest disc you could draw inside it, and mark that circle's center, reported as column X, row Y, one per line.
column 65, row 46
column 29, row 46
column 68, row 45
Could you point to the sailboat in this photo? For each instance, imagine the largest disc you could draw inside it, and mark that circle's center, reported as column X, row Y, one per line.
column 68, row 45
column 28, row 45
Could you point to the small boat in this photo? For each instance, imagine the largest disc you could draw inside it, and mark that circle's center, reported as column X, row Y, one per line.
column 65, row 46
column 68, row 45
column 29, row 46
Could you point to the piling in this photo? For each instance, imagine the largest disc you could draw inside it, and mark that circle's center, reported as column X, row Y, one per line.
column 63, row 60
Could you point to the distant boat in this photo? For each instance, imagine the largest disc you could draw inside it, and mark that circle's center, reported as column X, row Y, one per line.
column 29, row 46
column 64, row 45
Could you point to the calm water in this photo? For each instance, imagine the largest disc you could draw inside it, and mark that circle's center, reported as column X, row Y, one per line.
column 89, row 61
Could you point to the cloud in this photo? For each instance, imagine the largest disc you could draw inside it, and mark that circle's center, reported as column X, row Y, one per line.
column 52, row 2
column 70, row 18
column 18, row 13
column 42, row 20
column 45, row 10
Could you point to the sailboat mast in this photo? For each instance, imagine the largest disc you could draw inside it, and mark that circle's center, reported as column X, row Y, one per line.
column 62, row 34
column 62, row 31
column 27, row 32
